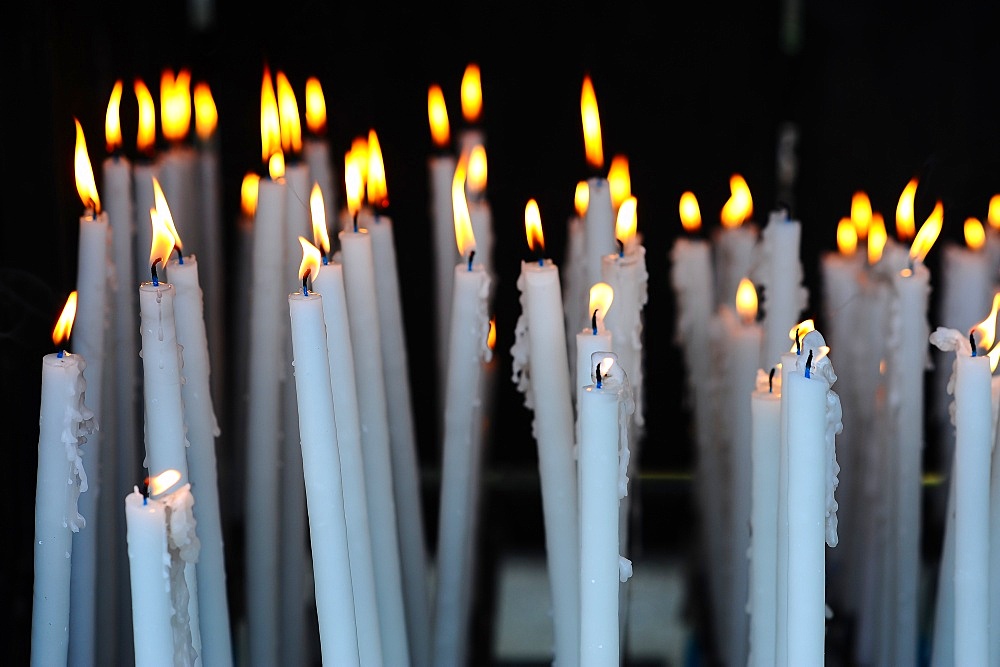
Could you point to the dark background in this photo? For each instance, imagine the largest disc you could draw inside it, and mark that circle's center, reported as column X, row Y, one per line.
column 690, row 93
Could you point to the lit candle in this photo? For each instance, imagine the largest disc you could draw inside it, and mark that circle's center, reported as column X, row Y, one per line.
column 733, row 245
column 573, row 273
column 472, row 134
column 599, row 220
column 467, row 350
column 595, row 338
column 362, row 309
column 322, row 472
column 778, row 271
column 64, row 425
column 541, row 372
column 202, row 430
column 178, row 173
column 146, row 168
column 316, row 147
column 480, row 213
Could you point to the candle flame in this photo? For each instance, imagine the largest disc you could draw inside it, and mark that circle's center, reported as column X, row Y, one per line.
column 175, row 104
column 249, row 189
column 928, row 234
column 315, row 106
column 464, row 237
column 491, row 337
column 861, row 213
column 162, row 482
column 690, row 212
column 800, row 329
column 276, row 165
column 987, row 329
column 533, row 226
column 437, row 116
column 591, row 125
column 64, row 325
column 160, row 202
column 619, row 180
column 112, row 120
column 321, row 237
column 605, row 365
column 359, row 148
column 847, row 236
column 163, row 240
column 354, row 182
column 206, row 115
column 746, row 301
column 994, row 357
column 601, row 297
column 85, row 184
column 581, row 198
column 311, row 260
column 625, row 223
column 877, row 238
column 739, row 207
column 975, row 234
column 472, row 93
column 378, row 194
column 270, row 126
column 288, row 115
column 905, row 221
column 477, row 171
column 146, row 138
column 993, row 216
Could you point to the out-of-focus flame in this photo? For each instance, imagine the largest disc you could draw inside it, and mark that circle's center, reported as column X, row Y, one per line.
column 994, row 357
column 847, row 236
column 987, row 329
column 619, row 180
column 206, row 115
column 625, row 222
column 581, row 198
column 321, row 237
column 472, row 93
column 85, row 184
column 248, row 194
column 288, row 115
column 491, row 337
column 378, row 194
column 591, row 125
column 601, row 297
column 877, row 238
column 112, row 120
column 800, row 330
column 905, row 221
column 311, row 260
column 354, row 182
column 437, row 116
column 746, row 301
column 162, row 482
column 175, row 104
column 270, row 125
column 975, row 234
column 359, row 151
column 739, row 207
column 690, row 212
column 464, row 237
column 533, row 226
column 993, row 216
column 163, row 210
column 315, row 107
column 477, row 173
column 605, row 366
column 146, row 138
column 163, row 240
column 861, row 214
column 928, row 234
column 64, row 325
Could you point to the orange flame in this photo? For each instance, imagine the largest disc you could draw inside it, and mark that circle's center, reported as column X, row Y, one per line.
column 175, row 104
column 987, row 329
column 162, row 482
column 861, row 213
column 993, row 216
column 602, row 295
column 533, row 226
column 112, row 120
column 491, row 337
column 477, row 170
column 378, row 195
column 321, row 237
column 354, row 182
column 163, row 240
column 464, row 237
column 472, row 94
column 248, row 194
column 619, row 181
column 85, row 184
column 311, row 260
column 359, row 148
column 270, row 126
column 928, row 234
column 690, row 212
column 847, row 236
column 905, row 221
column 160, row 201
column 206, row 115
column 581, row 198
column 437, row 116
column 315, row 107
column 739, row 207
column 146, row 139
column 64, row 325
column 625, row 223
column 746, row 301
column 877, row 238
column 288, row 114
column 591, row 125
column 975, row 234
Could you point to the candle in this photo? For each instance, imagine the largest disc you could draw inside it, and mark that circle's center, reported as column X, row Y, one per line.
column 362, row 309
column 604, row 407
column 778, row 272
column 146, row 168
column 994, row 585
column 322, row 472
column 65, row 422
column 178, row 172
column 467, row 351
column 316, row 147
column 574, row 278
column 541, row 372
column 472, row 134
column 599, row 220
column 595, row 338
column 202, row 431
column 733, row 245
column 330, row 283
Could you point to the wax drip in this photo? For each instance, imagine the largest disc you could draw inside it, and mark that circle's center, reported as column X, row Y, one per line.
column 593, row 321
column 972, row 341
column 809, row 361
column 770, row 381
column 472, row 253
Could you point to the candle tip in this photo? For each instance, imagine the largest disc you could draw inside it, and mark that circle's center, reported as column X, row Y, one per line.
column 972, row 341
column 621, row 247
column 593, row 321
column 472, row 253
column 770, row 381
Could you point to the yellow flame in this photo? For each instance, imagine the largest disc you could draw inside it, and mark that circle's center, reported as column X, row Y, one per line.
column 877, row 238
column 800, row 330
column 359, row 150
column 581, row 198
column 288, row 114
column 605, row 365
column 437, row 116
column 353, row 182
column 311, row 260
column 64, row 325
column 690, row 212
column 619, row 180
column 975, row 233
column 591, row 125
column 249, row 189
column 146, row 138
column 905, row 221
column 601, row 297
column 861, row 213
column 472, row 93
column 378, row 194
column 163, row 240
column 993, row 216
column 847, row 236
column 160, row 202
column 987, row 329
column 477, row 170
column 270, row 125
column 163, row 481
column 464, row 237
column 625, row 223
column 994, row 357
column 175, row 104
column 533, row 226
column 206, row 115
column 746, row 300
column 491, row 337
column 739, row 207
column 315, row 106
column 85, row 184
column 112, row 120
column 928, row 234
column 321, row 237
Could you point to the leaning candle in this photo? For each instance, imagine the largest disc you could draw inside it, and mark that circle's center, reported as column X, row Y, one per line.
column 316, row 147
column 541, row 372
column 594, row 338
column 178, row 172
column 733, row 244
column 145, row 169
column 599, row 220
column 778, row 271
column 573, row 273
column 64, row 424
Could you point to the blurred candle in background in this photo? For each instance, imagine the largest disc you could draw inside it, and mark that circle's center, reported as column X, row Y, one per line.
column 316, row 148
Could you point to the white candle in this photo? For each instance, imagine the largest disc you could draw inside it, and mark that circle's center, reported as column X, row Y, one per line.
column 323, row 479
column 472, row 134
column 64, row 424
column 316, row 148
column 149, row 564
column 599, row 219
column 733, row 244
column 593, row 339
column 778, row 272
column 994, row 636
column 145, row 169
column 178, row 164
column 573, row 279
column 541, row 372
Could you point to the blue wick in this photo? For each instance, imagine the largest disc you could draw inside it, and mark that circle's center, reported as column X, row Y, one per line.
column 599, row 382
column 593, row 321
column 472, row 253
column 972, row 342
column 60, row 354
column 809, row 361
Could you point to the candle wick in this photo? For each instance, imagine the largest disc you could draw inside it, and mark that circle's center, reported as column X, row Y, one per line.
column 809, row 361
column 798, row 345
column 972, row 341
column 305, row 281
column 180, row 255
column 472, row 253
column 152, row 271
column 355, row 223
column 770, row 381
column 593, row 321
column 599, row 382
column 60, row 354
column 786, row 210
column 621, row 247
column 326, row 260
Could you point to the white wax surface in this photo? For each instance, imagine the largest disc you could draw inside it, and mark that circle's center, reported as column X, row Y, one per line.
column 179, row 178
column 316, row 152
column 323, row 482
column 733, row 249
column 627, row 276
column 995, row 546
column 149, row 564
column 764, row 445
column 587, row 342
column 213, row 261
column 441, row 170
column 143, row 173
column 788, row 363
column 778, row 271
column 576, row 295
column 599, row 232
